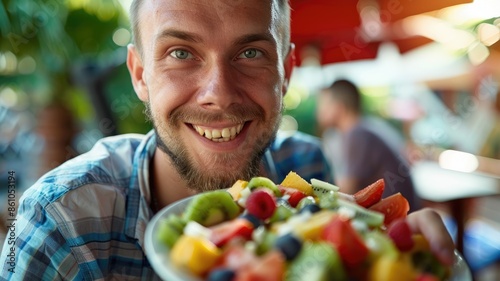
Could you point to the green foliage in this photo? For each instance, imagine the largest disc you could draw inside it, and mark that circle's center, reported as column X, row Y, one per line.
column 61, row 36
column 304, row 113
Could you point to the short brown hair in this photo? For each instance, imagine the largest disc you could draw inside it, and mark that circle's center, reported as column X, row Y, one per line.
column 347, row 93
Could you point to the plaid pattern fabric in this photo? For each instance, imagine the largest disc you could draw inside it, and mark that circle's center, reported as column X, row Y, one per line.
column 86, row 219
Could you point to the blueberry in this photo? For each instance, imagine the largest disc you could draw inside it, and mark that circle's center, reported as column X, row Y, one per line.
column 221, row 274
column 256, row 222
column 313, row 208
column 289, row 245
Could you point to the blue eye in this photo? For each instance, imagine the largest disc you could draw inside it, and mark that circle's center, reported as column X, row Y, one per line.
column 250, row 54
column 181, row 54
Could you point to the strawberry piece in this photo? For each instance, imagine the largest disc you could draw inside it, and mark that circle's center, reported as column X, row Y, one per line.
column 236, row 257
column 269, row 267
column 371, row 194
column 345, row 238
column 295, row 195
column 222, row 233
column 393, row 207
column 400, row 233
column 261, row 204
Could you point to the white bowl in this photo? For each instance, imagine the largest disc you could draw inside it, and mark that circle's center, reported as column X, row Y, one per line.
column 158, row 256
column 157, row 252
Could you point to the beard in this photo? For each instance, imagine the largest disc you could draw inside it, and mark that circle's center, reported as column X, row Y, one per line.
column 221, row 170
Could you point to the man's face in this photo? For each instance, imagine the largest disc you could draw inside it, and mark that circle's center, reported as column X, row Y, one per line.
column 212, row 76
column 328, row 110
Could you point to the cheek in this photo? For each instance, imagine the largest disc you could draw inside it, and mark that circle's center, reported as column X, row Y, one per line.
column 168, row 91
column 273, row 102
column 264, row 92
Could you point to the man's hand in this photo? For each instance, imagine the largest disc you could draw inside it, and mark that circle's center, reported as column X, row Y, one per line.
column 429, row 223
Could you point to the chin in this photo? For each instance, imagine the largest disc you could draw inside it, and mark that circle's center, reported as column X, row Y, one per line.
column 221, row 175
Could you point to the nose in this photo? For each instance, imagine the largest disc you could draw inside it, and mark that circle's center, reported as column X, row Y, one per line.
column 220, row 88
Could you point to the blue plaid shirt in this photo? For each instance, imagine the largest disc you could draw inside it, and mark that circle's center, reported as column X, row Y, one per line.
column 86, row 219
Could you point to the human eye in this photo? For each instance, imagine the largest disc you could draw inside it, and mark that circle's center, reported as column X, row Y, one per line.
column 250, row 54
column 181, row 54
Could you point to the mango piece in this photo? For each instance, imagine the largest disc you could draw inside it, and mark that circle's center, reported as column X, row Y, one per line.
column 194, row 254
column 312, row 229
column 293, row 180
column 236, row 189
column 387, row 268
column 421, row 244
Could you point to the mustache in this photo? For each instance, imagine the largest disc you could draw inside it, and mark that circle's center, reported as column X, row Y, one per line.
column 237, row 113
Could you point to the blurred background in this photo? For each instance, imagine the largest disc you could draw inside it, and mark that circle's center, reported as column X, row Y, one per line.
column 431, row 69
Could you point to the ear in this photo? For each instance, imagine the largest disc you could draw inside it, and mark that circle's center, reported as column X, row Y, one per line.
column 136, row 69
column 289, row 64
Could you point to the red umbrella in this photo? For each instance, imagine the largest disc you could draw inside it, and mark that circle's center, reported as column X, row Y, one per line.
column 343, row 30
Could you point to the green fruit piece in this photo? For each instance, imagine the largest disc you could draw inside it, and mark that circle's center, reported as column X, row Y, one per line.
column 380, row 245
column 329, row 200
column 371, row 218
column 170, row 229
column 305, row 201
column 267, row 243
column 282, row 212
column 211, row 208
column 258, row 182
column 428, row 263
column 323, row 188
column 177, row 222
column 317, row 261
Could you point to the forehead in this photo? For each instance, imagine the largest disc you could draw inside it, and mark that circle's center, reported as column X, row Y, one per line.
column 209, row 18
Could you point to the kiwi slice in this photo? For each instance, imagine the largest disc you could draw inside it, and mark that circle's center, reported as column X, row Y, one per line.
column 316, row 261
column 170, row 229
column 371, row 218
column 329, row 200
column 211, row 208
column 323, row 188
column 257, row 182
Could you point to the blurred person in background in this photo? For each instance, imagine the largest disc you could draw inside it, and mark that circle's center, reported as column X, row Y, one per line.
column 361, row 149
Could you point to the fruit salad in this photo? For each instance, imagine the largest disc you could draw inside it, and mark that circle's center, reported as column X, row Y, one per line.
column 298, row 230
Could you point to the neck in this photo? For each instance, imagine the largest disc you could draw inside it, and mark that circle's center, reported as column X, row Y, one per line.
column 166, row 184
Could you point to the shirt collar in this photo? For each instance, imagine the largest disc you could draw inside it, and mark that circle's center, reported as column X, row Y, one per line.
column 138, row 210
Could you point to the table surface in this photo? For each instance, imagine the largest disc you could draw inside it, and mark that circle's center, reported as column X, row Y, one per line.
column 439, row 185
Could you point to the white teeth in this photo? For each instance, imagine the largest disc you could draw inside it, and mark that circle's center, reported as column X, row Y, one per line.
column 199, row 130
column 208, row 134
column 218, row 135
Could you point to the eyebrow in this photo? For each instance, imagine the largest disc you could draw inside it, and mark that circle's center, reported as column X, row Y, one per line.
column 249, row 38
column 183, row 35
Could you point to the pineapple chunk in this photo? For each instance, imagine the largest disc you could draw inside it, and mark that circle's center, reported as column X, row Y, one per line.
column 194, row 254
column 293, row 180
column 236, row 189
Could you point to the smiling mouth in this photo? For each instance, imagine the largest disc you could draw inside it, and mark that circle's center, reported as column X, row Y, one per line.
column 219, row 135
